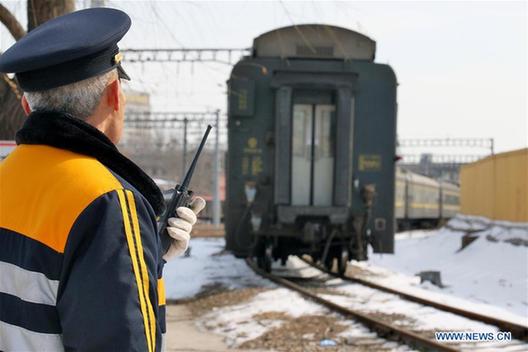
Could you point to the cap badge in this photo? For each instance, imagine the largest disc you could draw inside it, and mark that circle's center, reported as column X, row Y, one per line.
column 117, row 58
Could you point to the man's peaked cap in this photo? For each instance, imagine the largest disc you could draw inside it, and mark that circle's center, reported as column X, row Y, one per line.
column 68, row 49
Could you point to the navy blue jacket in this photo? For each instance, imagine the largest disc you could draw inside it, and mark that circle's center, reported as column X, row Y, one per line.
column 80, row 259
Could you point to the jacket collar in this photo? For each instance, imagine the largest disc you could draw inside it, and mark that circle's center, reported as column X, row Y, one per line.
column 67, row 132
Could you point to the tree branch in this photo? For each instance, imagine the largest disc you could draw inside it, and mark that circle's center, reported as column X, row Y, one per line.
column 39, row 11
column 12, row 24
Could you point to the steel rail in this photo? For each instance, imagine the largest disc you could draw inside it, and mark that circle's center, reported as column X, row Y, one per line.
column 518, row 331
column 382, row 328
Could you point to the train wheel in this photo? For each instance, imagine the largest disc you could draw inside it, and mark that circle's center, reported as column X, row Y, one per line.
column 264, row 264
column 343, row 260
column 329, row 263
column 267, row 259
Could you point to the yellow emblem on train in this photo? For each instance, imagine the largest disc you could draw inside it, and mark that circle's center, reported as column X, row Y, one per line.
column 252, row 143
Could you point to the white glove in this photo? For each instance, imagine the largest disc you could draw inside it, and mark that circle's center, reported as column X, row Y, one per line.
column 180, row 228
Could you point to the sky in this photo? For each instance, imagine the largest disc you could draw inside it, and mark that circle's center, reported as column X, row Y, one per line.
column 461, row 66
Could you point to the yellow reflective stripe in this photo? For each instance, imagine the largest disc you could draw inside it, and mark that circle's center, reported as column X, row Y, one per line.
column 161, row 292
column 142, row 266
column 135, row 266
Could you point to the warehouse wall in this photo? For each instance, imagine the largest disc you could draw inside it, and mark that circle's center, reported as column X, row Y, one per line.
column 496, row 187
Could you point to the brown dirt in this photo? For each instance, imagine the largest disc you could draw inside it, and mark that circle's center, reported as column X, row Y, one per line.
column 217, row 298
column 301, row 334
column 271, row 316
column 304, row 334
column 295, row 334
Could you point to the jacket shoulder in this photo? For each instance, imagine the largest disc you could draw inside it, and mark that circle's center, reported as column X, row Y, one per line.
column 56, row 184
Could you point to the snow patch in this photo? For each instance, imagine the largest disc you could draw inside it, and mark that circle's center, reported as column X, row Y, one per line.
column 419, row 317
column 491, row 274
column 237, row 323
column 208, row 265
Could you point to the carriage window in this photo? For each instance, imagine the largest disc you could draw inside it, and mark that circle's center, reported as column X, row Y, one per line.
column 313, row 138
column 302, row 129
column 324, row 131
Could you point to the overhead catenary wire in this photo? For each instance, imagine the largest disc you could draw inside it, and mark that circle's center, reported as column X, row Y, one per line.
column 340, row 45
column 161, row 20
column 299, row 31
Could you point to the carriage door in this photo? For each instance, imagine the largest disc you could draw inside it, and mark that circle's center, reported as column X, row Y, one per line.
column 313, row 136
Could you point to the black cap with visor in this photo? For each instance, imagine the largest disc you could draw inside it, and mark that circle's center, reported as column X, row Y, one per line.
column 68, row 49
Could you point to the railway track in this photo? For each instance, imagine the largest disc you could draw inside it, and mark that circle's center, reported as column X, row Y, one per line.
column 518, row 331
column 381, row 327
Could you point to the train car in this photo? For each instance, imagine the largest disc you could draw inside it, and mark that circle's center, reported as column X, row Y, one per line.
column 422, row 202
column 311, row 148
column 449, row 200
column 400, row 197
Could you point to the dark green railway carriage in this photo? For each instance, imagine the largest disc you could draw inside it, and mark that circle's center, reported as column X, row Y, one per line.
column 311, row 158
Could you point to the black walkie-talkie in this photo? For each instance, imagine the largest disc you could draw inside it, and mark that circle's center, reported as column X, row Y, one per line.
column 181, row 197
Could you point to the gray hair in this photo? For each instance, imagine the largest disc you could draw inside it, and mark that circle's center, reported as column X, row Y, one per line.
column 79, row 99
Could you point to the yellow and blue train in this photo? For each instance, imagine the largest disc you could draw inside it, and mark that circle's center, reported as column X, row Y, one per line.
column 422, row 202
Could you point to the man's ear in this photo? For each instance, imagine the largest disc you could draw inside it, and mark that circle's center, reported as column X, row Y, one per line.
column 112, row 95
column 25, row 105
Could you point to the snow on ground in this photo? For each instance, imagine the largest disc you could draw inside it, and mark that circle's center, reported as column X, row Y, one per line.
column 489, row 276
column 368, row 300
column 207, row 266
column 425, row 318
column 239, row 318
column 492, row 270
column 237, row 324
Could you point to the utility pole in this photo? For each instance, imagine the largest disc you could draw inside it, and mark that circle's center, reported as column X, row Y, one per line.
column 184, row 159
column 216, row 173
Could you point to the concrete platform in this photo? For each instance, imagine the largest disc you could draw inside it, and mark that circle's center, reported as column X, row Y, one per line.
column 183, row 335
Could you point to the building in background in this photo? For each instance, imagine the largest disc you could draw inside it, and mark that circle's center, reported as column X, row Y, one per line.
column 160, row 151
column 496, row 187
column 139, row 144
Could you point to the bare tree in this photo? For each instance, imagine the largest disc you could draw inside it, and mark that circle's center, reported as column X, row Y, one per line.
column 11, row 23
column 38, row 12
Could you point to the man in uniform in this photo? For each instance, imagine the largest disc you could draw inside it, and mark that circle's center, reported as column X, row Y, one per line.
column 80, row 258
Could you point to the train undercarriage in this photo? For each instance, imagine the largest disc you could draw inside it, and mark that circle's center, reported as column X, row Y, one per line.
column 331, row 245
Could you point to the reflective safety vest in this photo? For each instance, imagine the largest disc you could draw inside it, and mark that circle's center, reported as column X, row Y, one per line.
column 80, row 260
